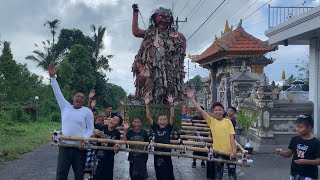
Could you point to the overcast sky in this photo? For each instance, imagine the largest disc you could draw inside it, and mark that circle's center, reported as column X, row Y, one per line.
column 21, row 23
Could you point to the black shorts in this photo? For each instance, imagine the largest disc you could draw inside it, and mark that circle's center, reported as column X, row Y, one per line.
column 163, row 167
column 138, row 170
column 211, row 171
column 196, row 153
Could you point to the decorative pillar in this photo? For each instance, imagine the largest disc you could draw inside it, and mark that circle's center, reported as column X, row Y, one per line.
column 314, row 85
column 214, row 84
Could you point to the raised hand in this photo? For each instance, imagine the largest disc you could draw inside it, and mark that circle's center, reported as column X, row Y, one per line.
column 170, row 99
column 147, row 99
column 92, row 93
column 122, row 103
column 190, row 93
column 135, row 7
column 52, row 70
column 93, row 103
column 126, row 125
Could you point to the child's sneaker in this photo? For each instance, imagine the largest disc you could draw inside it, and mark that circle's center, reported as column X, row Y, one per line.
column 203, row 164
column 194, row 164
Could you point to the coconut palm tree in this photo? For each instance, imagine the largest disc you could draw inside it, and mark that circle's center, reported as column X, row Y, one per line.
column 53, row 26
column 102, row 62
column 42, row 57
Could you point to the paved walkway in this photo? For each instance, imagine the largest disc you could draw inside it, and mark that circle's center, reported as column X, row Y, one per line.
column 40, row 164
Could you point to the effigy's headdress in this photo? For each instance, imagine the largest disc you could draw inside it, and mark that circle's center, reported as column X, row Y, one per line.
column 162, row 10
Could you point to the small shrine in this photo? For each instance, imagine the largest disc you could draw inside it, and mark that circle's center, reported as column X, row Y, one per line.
column 236, row 63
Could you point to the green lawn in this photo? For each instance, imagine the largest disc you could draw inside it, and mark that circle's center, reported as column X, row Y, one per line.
column 19, row 138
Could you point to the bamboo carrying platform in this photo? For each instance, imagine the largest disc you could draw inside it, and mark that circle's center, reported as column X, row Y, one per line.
column 197, row 128
column 139, row 143
column 160, row 153
column 156, row 153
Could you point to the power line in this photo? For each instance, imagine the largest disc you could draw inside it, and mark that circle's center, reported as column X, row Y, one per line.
column 233, row 17
column 205, row 20
column 184, row 7
column 174, row 4
column 197, row 9
column 191, row 12
column 216, row 31
column 246, row 9
column 194, row 8
column 220, row 9
column 257, row 10
column 201, row 47
column 255, row 23
column 194, row 12
column 210, row 42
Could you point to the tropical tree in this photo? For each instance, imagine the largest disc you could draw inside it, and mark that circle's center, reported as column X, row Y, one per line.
column 43, row 57
column 16, row 81
column 75, row 71
column 53, row 26
column 290, row 80
column 102, row 62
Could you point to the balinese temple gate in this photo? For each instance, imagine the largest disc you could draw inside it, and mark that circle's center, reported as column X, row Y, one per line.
column 236, row 62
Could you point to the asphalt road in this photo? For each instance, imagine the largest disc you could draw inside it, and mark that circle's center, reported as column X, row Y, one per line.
column 40, row 164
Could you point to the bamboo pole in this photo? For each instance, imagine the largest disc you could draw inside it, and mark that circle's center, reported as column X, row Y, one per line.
column 201, row 138
column 194, row 121
column 194, row 124
column 209, row 139
column 193, row 143
column 241, row 148
column 195, row 128
column 158, row 153
column 140, row 143
column 195, row 132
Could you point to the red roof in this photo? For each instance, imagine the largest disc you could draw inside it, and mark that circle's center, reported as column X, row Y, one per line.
column 234, row 42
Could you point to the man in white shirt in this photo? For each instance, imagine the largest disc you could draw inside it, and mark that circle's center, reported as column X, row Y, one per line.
column 76, row 120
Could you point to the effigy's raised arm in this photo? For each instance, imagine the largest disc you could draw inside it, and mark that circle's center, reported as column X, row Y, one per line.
column 136, row 31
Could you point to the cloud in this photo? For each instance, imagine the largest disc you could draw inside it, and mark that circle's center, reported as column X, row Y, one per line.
column 21, row 23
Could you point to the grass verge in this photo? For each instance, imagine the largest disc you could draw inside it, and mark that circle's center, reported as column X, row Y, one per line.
column 20, row 138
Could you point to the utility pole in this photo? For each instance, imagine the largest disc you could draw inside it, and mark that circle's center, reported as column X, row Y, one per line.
column 188, row 72
column 177, row 23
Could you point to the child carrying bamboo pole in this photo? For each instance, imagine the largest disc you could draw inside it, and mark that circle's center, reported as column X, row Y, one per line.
column 106, row 158
column 222, row 135
column 162, row 130
column 137, row 161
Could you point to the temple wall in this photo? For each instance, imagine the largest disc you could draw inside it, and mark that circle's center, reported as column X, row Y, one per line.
column 275, row 126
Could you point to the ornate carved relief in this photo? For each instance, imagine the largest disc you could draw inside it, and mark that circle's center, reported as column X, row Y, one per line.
column 266, row 119
column 289, row 127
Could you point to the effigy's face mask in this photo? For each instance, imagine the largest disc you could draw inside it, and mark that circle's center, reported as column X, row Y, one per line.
column 163, row 20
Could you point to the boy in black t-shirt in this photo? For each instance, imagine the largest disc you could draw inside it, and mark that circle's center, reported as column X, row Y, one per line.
column 162, row 130
column 305, row 150
column 106, row 157
column 230, row 115
column 137, row 161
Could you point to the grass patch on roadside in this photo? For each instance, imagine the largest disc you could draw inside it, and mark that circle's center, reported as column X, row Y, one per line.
column 20, row 138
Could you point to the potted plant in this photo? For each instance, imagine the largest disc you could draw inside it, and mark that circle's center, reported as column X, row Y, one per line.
column 247, row 119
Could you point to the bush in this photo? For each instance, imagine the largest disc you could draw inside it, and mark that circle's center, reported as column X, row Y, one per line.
column 14, row 113
column 56, row 117
column 47, row 107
